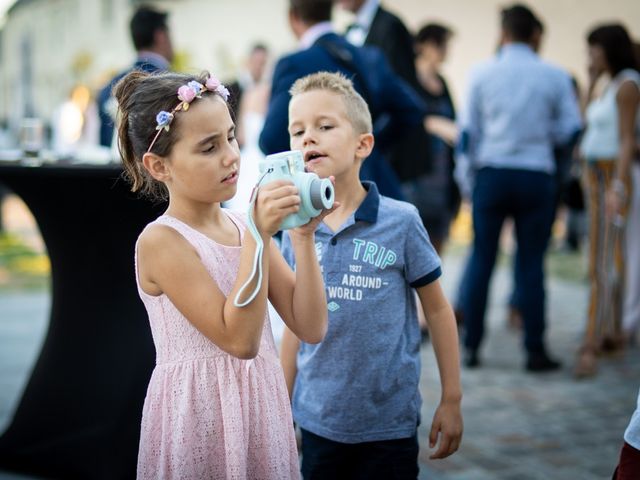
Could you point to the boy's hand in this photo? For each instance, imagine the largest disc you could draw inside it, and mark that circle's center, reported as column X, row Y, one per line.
column 446, row 424
column 309, row 228
column 275, row 201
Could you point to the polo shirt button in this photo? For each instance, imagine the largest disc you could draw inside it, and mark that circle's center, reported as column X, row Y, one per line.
column 334, row 241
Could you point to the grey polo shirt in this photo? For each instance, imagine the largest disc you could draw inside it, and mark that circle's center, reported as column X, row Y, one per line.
column 360, row 383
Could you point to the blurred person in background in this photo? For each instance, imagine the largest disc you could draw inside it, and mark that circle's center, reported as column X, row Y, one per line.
column 610, row 146
column 151, row 39
column 428, row 182
column 320, row 49
column 424, row 159
column 518, row 108
column 375, row 26
column 251, row 76
column 249, row 97
column 378, row 27
column 563, row 155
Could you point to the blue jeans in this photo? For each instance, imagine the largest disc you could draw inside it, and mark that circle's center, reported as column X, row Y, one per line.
column 387, row 459
column 529, row 198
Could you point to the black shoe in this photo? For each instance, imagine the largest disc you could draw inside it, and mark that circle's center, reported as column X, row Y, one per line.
column 541, row 362
column 471, row 359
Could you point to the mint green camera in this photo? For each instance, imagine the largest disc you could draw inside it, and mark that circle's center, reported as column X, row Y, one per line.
column 315, row 193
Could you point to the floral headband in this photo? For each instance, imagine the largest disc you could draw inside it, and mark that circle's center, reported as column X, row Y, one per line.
column 186, row 94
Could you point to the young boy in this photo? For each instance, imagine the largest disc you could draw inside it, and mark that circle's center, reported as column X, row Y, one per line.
column 356, row 396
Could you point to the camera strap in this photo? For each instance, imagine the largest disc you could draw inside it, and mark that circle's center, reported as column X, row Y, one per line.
column 257, row 258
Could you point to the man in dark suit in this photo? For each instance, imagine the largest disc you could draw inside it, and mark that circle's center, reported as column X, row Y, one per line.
column 394, row 105
column 378, row 27
column 150, row 36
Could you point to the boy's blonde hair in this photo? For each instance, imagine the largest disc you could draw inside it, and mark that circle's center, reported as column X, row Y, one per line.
column 357, row 109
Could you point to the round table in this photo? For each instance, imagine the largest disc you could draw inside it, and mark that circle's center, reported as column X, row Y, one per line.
column 79, row 415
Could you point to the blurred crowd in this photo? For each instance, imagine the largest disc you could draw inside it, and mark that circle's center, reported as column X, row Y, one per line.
column 529, row 144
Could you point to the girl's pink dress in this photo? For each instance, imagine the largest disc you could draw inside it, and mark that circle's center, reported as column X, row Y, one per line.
column 207, row 414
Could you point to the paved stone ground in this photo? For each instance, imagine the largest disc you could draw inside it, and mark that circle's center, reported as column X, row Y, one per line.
column 517, row 425
column 23, row 325
column 521, row 426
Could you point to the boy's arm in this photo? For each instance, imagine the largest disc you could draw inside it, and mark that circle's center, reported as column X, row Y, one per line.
column 288, row 353
column 447, row 421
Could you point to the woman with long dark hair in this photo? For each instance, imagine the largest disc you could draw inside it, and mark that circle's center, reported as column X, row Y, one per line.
column 610, row 146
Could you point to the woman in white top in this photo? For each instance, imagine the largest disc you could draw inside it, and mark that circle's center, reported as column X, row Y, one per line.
column 610, row 146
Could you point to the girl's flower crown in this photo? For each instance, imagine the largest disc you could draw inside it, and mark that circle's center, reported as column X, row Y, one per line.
column 186, row 94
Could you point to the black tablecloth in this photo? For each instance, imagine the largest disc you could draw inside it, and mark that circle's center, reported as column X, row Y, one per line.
column 79, row 416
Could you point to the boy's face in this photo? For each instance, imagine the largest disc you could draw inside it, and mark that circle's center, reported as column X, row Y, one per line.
column 320, row 128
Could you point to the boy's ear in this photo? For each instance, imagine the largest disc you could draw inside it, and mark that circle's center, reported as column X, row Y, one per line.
column 365, row 145
column 156, row 166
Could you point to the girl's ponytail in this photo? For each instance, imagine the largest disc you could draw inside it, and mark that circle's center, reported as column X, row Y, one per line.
column 124, row 93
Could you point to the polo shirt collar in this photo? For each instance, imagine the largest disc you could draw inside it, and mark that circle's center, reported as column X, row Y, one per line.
column 368, row 209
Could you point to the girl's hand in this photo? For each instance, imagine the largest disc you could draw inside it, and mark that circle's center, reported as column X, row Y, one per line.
column 446, row 424
column 309, row 228
column 275, row 201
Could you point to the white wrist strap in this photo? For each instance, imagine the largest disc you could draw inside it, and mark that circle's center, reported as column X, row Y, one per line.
column 257, row 258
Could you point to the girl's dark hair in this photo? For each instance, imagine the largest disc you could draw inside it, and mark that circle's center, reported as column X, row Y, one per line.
column 434, row 33
column 616, row 43
column 141, row 96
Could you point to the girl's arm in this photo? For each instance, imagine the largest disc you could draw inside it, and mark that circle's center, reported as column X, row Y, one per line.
column 447, row 420
column 288, row 355
column 169, row 264
column 299, row 297
column 627, row 99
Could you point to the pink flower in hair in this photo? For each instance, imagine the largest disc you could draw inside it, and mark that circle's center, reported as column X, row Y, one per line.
column 186, row 93
column 223, row 92
column 212, row 83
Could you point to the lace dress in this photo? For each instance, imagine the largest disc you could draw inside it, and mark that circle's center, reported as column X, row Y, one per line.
column 207, row 414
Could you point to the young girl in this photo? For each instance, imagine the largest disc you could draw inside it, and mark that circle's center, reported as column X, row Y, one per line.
column 217, row 405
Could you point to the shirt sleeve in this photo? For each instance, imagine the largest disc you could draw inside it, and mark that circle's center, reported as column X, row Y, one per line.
column 287, row 250
column 471, row 119
column 422, row 263
column 567, row 121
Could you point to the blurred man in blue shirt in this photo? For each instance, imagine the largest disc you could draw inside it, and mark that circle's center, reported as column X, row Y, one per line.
column 517, row 110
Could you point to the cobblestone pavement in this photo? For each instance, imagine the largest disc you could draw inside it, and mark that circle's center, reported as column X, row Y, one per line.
column 517, row 425
column 521, row 426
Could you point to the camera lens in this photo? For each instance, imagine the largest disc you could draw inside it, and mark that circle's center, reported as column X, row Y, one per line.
column 321, row 193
